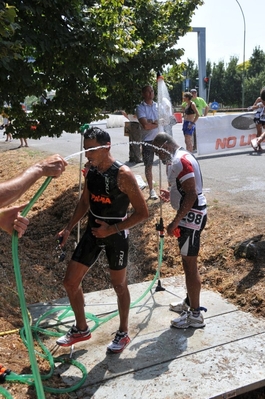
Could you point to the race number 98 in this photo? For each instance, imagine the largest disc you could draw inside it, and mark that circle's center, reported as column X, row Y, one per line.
column 195, row 218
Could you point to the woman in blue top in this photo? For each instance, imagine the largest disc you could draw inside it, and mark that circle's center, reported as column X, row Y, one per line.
column 191, row 115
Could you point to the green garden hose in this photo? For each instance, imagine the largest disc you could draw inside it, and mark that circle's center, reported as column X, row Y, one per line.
column 26, row 332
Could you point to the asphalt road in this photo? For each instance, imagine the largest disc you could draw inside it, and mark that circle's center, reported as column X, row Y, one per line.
column 234, row 178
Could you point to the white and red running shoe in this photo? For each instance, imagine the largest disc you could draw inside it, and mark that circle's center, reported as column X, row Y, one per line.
column 119, row 343
column 73, row 336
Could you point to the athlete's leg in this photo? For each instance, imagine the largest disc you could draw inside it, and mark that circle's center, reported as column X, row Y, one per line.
column 194, row 139
column 148, row 158
column 193, row 280
column 259, row 134
column 119, row 282
column 188, row 130
column 72, row 283
column 189, row 245
column 259, row 129
column 188, row 142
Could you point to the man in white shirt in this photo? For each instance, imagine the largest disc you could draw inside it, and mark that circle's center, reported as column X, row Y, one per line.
column 147, row 114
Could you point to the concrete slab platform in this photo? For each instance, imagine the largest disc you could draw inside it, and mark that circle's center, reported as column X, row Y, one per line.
column 222, row 360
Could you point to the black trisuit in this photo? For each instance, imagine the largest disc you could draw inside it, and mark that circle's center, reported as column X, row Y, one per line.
column 110, row 204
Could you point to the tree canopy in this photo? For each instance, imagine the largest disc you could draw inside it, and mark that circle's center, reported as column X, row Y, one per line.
column 94, row 55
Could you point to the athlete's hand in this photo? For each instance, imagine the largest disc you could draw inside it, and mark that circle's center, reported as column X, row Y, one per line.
column 171, row 229
column 164, row 195
column 63, row 237
column 103, row 230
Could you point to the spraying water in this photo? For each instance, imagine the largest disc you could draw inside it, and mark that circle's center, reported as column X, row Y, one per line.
column 114, row 145
column 166, row 118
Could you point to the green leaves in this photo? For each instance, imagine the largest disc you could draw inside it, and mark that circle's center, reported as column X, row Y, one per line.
column 94, row 55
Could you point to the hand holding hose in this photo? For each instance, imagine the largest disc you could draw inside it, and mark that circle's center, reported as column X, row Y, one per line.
column 52, row 166
column 10, row 220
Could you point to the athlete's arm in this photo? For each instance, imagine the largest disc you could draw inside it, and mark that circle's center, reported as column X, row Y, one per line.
column 81, row 209
column 128, row 184
column 197, row 115
column 12, row 189
column 255, row 105
column 189, row 188
column 206, row 109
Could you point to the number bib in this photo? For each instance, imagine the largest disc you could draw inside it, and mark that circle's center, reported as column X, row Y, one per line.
column 193, row 219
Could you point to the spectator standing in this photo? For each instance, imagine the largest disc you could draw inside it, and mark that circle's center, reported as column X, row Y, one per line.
column 147, row 114
column 259, row 119
column 23, row 142
column 6, row 123
column 202, row 108
column 191, row 115
column 200, row 103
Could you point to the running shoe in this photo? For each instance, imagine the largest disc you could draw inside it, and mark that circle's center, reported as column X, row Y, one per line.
column 153, row 194
column 179, row 307
column 119, row 343
column 74, row 336
column 187, row 319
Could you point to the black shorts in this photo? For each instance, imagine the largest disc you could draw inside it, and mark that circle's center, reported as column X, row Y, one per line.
column 259, row 122
column 148, row 153
column 189, row 240
column 90, row 247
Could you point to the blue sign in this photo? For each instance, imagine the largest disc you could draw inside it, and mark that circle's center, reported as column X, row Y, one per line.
column 215, row 105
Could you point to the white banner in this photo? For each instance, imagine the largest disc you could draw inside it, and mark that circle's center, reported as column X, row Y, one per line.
column 219, row 133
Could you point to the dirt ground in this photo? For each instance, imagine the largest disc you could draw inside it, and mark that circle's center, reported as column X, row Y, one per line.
column 239, row 279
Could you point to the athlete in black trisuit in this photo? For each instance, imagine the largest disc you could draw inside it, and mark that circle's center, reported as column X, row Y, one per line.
column 109, row 189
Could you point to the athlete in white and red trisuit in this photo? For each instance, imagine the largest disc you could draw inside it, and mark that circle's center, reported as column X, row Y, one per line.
column 186, row 197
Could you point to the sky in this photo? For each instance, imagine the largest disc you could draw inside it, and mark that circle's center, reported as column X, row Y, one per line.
column 224, row 23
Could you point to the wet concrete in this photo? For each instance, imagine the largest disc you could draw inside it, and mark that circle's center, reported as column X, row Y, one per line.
column 221, row 360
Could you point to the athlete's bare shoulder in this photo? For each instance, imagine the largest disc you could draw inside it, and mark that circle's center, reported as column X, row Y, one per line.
column 126, row 179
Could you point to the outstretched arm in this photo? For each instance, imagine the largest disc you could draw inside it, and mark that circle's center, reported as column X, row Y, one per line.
column 12, row 189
